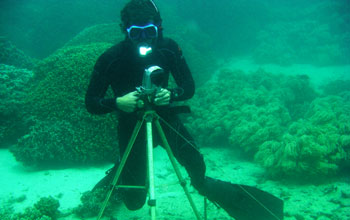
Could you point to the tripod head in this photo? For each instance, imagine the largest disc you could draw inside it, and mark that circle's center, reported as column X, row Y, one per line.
column 152, row 78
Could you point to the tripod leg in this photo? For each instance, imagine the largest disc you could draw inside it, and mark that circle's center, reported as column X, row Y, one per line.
column 176, row 168
column 120, row 167
column 152, row 198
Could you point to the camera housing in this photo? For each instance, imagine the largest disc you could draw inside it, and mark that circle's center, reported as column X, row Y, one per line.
column 151, row 81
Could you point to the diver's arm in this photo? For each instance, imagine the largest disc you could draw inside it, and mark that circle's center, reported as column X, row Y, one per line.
column 181, row 74
column 94, row 99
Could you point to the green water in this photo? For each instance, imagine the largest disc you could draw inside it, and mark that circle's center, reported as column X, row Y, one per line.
column 271, row 110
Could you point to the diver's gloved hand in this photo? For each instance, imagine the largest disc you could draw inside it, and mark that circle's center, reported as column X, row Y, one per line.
column 128, row 102
column 162, row 97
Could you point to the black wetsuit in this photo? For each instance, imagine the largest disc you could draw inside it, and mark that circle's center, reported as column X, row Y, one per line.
column 122, row 68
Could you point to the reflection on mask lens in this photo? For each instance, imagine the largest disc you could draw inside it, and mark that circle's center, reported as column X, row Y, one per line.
column 135, row 33
column 151, row 32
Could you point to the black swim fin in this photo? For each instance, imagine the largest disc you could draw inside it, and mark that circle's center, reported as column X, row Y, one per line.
column 243, row 202
column 106, row 181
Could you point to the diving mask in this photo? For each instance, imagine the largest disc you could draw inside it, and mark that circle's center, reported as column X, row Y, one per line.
column 149, row 31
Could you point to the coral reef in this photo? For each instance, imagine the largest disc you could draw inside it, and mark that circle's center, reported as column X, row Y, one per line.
column 48, row 206
column 45, row 209
column 55, row 143
column 278, row 120
column 239, row 105
column 313, row 147
column 10, row 55
column 101, row 33
column 6, row 211
column 57, row 99
column 91, row 204
column 13, row 89
column 337, row 87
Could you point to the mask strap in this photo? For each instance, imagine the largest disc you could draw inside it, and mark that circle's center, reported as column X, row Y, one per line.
column 154, row 5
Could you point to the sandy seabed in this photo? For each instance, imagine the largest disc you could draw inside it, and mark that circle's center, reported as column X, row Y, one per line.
column 325, row 201
column 319, row 75
column 67, row 186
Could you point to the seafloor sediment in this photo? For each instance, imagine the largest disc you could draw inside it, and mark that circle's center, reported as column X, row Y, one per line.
column 22, row 187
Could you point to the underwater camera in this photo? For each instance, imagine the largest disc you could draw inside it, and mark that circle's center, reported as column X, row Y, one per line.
column 151, row 85
column 152, row 78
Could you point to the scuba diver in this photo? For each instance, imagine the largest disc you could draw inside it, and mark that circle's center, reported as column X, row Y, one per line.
column 122, row 67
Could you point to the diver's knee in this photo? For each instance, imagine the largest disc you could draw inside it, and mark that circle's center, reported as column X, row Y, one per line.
column 134, row 205
column 198, row 184
column 135, row 200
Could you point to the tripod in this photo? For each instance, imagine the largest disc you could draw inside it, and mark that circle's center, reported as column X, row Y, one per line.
column 149, row 116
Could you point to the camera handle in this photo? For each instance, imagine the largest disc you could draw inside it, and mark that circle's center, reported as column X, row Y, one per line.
column 150, row 116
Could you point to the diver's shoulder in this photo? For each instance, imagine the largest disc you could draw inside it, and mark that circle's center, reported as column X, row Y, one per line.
column 110, row 55
column 169, row 43
column 115, row 50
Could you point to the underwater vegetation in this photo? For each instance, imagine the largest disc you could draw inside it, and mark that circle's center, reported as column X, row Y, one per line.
column 44, row 209
column 56, row 103
column 14, row 83
column 277, row 120
column 91, row 202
